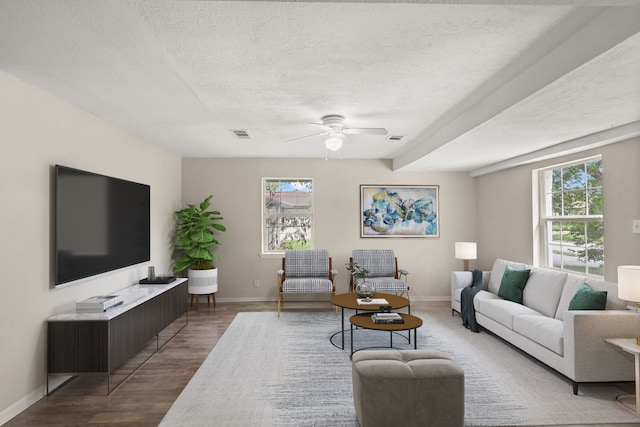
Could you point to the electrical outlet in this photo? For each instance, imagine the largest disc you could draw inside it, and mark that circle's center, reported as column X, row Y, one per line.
column 256, row 283
column 636, row 226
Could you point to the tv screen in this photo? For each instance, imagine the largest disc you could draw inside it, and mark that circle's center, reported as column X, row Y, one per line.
column 101, row 224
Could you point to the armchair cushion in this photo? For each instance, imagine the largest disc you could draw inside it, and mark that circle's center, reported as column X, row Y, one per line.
column 379, row 262
column 305, row 285
column 307, row 263
column 387, row 284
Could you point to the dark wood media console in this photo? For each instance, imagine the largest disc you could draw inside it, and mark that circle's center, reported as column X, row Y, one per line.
column 89, row 344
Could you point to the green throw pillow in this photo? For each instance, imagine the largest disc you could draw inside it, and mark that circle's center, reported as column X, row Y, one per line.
column 512, row 284
column 588, row 299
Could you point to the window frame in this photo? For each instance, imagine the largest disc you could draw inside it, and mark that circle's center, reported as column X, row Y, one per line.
column 263, row 227
column 545, row 221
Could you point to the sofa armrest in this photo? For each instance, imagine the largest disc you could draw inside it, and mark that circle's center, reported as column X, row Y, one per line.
column 460, row 279
column 587, row 356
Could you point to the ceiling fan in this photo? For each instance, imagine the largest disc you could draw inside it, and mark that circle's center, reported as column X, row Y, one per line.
column 334, row 130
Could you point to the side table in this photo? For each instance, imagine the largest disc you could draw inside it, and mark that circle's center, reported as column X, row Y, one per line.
column 630, row 346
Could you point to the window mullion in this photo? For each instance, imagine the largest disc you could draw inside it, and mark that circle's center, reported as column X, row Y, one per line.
column 576, row 218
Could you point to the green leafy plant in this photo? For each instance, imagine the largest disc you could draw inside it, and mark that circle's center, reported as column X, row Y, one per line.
column 356, row 271
column 195, row 240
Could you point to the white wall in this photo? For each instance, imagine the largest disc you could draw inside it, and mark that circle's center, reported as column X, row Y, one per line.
column 37, row 131
column 505, row 208
column 236, row 188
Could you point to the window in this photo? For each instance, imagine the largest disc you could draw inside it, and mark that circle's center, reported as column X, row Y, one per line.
column 571, row 217
column 287, row 212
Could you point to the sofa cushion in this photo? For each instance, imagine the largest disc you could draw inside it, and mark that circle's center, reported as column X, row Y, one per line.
column 574, row 282
column 503, row 311
column 482, row 296
column 588, row 299
column 513, row 283
column 498, row 271
column 543, row 290
column 546, row 331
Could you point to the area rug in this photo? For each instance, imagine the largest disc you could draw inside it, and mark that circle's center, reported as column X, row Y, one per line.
column 266, row 371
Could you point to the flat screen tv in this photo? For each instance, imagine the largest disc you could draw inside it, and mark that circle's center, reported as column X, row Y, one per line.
column 101, row 224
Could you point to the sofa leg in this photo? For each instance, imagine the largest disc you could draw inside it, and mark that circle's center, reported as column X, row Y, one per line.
column 575, row 388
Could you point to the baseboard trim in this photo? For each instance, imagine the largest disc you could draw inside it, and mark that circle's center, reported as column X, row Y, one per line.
column 22, row 404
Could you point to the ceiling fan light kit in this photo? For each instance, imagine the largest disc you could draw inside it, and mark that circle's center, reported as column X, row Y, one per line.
column 333, row 143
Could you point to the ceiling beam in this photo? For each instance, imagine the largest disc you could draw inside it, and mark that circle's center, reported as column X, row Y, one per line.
column 582, row 36
column 588, row 142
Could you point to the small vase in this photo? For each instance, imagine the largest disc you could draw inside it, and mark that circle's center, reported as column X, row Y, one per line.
column 364, row 290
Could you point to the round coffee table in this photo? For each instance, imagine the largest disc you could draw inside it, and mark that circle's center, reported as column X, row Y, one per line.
column 350, row 301
column 363, row 320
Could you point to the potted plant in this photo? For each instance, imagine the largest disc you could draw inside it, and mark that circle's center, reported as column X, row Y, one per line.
column 362, row 288
column 195, row 242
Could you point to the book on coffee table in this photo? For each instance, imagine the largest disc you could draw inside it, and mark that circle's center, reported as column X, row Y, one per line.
column 387, row 318
column 372, row 301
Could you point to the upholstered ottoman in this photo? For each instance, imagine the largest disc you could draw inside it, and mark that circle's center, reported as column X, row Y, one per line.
column 407, row 388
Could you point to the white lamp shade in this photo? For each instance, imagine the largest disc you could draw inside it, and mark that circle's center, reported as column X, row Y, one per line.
column 466, row 250
column 333, row 143
column 629, row 282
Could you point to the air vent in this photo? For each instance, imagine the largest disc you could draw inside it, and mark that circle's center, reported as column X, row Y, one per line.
column 241, row 133
column 395, row 138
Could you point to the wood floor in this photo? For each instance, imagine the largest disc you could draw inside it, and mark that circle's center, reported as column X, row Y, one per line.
column 145, row 397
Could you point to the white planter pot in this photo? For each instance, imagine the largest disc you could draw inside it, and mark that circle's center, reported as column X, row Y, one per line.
column 203, row 282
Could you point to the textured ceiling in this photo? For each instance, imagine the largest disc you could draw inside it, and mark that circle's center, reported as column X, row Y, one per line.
column 470, row 85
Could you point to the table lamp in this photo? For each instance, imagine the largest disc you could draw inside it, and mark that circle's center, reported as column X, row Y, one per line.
column 466, row 251
column 629, row 288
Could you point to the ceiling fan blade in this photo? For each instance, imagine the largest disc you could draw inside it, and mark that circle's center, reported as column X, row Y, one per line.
column 362, row 131
column 305, row 137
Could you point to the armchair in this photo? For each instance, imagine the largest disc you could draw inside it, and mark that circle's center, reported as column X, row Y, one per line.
column 383, row 272
column 305, row 271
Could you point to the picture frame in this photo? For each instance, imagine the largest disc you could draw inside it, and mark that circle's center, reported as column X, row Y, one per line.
column 399, row 211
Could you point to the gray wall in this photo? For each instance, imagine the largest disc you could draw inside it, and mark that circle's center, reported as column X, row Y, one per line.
column 505, row 217
column 236, row 188
column 37, row 131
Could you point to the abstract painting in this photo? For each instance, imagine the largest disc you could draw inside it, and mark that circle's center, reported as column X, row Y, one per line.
column 399, row 211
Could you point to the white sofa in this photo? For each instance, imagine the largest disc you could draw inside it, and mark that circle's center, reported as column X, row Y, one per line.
column 571, row 342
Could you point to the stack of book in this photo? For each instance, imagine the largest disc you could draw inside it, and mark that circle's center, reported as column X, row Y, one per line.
column 372, row 301
column 98, row 304
column 387, row 318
